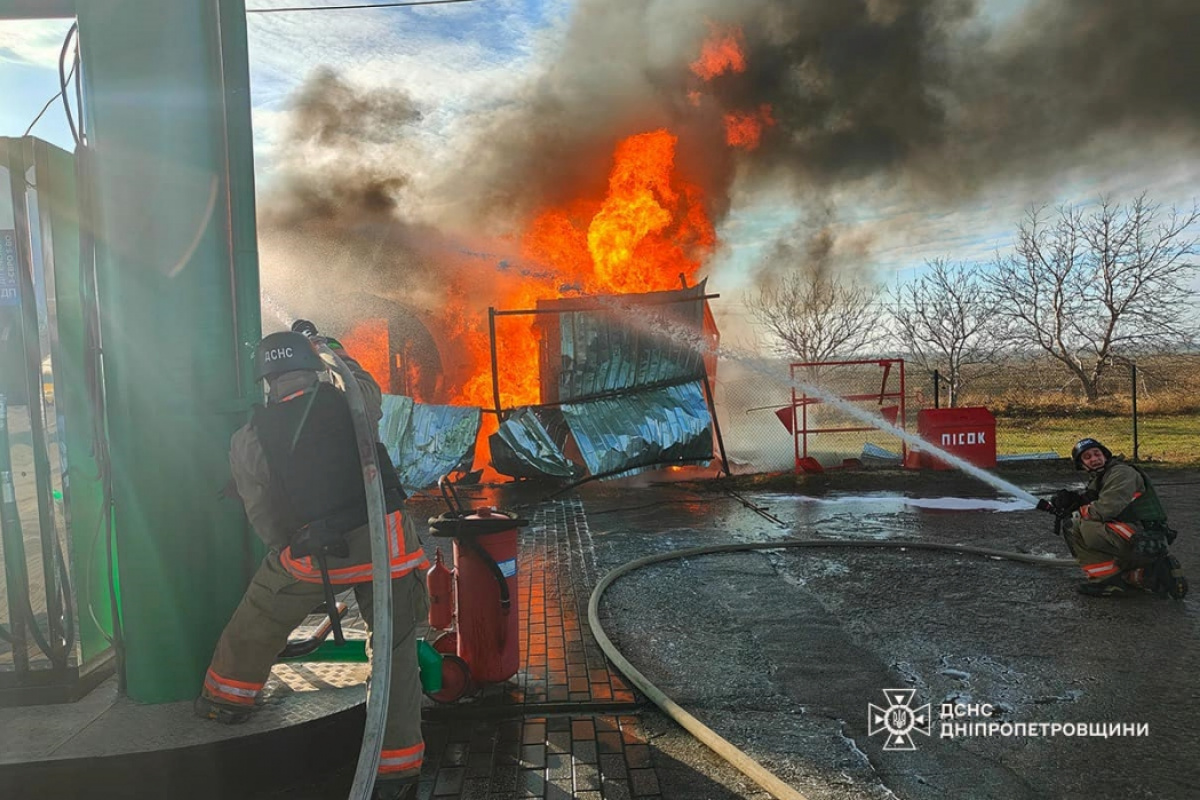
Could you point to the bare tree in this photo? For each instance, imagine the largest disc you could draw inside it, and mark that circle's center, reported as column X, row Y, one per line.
column 945, row 320
column 814, row 317
column 1091, row 288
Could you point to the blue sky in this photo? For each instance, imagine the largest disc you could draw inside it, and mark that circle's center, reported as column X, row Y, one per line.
column 455, row 60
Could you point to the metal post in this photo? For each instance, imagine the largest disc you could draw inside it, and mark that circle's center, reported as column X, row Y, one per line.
column 712, row 407
column 804, row 416
column 1133, row 373
column 903, row 415
column 795, row 428
column 495, row 362
column 937, row 388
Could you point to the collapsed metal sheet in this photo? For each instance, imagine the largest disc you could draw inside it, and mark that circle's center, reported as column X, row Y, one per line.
column 426, row 442
column 641, row 429
column 529, row 444
column 650, row 344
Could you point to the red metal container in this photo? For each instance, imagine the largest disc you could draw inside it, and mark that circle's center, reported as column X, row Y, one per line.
column 969, row 433
column 488, row 638
column 441, row 593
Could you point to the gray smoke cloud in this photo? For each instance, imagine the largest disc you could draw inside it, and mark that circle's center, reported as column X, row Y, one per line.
column 329, row 175
column 930, row 95
column 333, row 225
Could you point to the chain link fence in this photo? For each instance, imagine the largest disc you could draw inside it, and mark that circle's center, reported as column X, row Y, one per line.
column 1149, row 411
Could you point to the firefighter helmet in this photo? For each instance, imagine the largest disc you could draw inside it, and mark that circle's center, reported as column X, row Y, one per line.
column 1082, row 446
column 285, row 351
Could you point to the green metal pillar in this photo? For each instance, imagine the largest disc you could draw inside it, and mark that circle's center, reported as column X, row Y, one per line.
column 168, row 131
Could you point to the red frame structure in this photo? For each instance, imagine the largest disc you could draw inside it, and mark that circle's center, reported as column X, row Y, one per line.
column 803, row 401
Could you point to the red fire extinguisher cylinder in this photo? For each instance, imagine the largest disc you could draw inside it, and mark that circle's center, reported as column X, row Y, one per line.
column 488, row 638
column 440, row 581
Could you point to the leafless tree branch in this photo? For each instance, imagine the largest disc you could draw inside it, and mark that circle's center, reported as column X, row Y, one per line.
column 945, row 320
column 1090, row 288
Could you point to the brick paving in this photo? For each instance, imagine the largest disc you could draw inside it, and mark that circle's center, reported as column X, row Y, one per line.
column 566, row 725
column 570, row 755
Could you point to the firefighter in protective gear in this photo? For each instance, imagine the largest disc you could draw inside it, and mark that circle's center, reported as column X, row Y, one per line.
column 1119, row 532
column 298, row 472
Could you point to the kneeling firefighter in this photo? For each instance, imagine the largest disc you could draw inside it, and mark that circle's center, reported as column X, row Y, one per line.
column 1119, row 532
column 297, row 469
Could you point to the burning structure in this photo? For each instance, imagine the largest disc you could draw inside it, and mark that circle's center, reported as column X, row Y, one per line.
column 609, row 171
column 625, row 385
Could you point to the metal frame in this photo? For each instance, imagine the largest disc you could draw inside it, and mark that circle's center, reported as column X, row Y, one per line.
column 802, row 401
column 499, row 410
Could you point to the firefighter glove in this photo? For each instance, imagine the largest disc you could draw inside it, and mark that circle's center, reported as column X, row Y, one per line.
column 305, row 327
column 1066, row 501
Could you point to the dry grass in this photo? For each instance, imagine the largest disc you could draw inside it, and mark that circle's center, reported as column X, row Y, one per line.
column 1167, row 385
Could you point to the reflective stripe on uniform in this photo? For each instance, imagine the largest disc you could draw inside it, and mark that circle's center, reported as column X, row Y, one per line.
column 401, row 760
column 231, row 691
column 1102, row 569
column 402, row 563
column 1122, row 529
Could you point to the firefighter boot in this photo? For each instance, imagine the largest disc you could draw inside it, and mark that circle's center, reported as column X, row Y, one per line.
column 207, row 709
column 402, row 789
column 1114, row 586
column 1165, row 577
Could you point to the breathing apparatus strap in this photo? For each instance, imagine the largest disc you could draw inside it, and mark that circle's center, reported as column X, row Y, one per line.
column 335, row 619
column 322, row 539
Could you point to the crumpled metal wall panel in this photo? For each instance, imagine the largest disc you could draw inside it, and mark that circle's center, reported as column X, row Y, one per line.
column 426, row 442
column 525, row 447
column 642, row 429
column 602, row 352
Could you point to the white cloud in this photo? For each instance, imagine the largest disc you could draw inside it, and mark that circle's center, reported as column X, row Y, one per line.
column 35, row 42
column 453, row 61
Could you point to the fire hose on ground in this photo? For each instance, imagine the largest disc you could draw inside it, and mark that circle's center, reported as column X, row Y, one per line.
column 707, row 736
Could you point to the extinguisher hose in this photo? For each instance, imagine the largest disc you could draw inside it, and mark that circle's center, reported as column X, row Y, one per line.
column 472, row 544
column 707, row 736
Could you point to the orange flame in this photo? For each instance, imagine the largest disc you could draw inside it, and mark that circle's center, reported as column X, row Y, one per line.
column 651, row 228
column 367, row 343
column 721, row 53
column 745, row 130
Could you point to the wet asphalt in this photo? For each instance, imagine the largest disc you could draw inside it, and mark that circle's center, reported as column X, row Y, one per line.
column 783, row 651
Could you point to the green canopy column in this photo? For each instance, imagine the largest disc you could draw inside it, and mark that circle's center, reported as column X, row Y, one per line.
column 168, row 129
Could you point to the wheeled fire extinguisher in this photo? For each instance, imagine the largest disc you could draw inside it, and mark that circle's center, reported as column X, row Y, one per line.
column 482, row 632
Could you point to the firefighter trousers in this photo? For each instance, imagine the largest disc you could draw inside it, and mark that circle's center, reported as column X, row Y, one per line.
column 274, row 604
column 1104, row 549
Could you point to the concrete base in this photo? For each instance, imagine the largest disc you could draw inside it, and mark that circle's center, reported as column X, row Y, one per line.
column 106, row 745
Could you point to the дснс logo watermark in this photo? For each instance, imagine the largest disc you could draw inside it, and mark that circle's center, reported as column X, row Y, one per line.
column 899, row 719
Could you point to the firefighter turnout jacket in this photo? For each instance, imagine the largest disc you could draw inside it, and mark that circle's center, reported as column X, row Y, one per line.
column 296, row 464
column 1122, row 505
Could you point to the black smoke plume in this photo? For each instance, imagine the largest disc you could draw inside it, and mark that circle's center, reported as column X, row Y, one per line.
column 942, row 96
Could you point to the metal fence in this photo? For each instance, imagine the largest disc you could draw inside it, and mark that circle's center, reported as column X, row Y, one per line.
column 1148, row 411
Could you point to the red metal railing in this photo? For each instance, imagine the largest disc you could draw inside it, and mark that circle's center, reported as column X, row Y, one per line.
column 894, row 414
